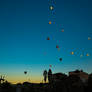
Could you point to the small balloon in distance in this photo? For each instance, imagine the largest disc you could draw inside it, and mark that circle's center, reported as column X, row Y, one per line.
column 72, row 53
column 48, row 38
column 60, row 59
column 62, row 30
column 87, row 54
column 51, row 7
column 50, row 22
column 25, row 72
column 57, row 46
column 89, row 38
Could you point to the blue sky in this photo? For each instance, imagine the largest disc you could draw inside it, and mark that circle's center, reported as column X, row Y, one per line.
column 24, row 29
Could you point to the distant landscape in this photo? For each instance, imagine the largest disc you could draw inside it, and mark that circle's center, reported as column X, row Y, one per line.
column 75, row 81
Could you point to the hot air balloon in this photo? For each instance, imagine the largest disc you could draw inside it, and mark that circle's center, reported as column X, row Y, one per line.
column 72, row 53
column 50, row 22
column 57, row 46
column 62, row 30
column 48, row 38
column 60, row 59
column 89, row 38
column 25, row 72
column 51, row 8
column 87, row 54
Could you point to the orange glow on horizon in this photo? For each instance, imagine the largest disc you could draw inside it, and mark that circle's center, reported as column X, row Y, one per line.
column 19, row 79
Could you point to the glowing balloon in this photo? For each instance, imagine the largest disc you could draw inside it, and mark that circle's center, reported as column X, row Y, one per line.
column 50, row 22
column 51, row 7
column 87, row 54
column 72, row 53
column 57, row 46
column 89, row 38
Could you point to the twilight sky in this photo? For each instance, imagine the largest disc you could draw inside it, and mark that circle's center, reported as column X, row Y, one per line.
column 24, row 30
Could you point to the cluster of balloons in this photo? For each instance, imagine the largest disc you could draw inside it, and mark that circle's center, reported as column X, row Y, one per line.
column 52, row 4
column 57, row 47
column 52, row 11
column 80, row 52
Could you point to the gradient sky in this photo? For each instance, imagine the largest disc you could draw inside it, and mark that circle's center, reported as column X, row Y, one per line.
column 23, row 31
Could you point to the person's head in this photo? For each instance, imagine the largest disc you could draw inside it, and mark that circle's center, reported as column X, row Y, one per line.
column 50, row 71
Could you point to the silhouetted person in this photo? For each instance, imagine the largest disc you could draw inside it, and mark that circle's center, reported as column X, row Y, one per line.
column 45, row 75
column 50, row 75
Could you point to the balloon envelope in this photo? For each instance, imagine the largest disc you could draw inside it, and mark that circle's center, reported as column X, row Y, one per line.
column 25, row 72
column 50, row 22
column 48, row 38
column 57, row 46
column 60, row 59
column 62, row 30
